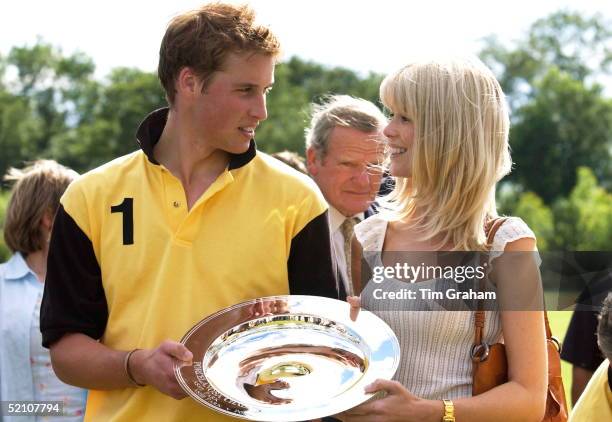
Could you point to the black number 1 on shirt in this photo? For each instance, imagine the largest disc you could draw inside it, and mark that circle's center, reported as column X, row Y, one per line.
column 126, row 208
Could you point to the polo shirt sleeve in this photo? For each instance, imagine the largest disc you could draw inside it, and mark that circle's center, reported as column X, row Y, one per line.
column 73, row 300
column 310, row 265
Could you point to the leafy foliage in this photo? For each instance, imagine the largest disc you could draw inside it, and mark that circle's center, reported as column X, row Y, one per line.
column 582, row 221
column 562, row 120
column 563, row 127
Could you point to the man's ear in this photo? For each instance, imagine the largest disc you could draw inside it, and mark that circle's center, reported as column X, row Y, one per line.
column 312, row 161
column 187, row 82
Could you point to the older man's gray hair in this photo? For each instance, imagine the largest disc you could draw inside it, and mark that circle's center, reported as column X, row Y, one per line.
column 343, row 111
column 604, row 328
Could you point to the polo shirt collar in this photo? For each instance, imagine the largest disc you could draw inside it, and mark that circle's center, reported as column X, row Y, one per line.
column 16, row 267
column 152, row 126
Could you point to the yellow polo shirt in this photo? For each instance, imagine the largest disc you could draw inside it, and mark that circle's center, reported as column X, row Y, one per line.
column 595, row 403
column 131, row 266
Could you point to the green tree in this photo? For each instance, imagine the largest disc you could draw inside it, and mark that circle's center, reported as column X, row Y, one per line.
column 318, row 80
column 565, row 125
column 576, row 44
column 538, row 216
column 511, row 200
column 50, row 94
column 109, row 131
column 561, row 117
column 583, row 221
column 19, row 128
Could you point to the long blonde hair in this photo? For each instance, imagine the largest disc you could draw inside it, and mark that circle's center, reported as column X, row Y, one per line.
column 460, row 148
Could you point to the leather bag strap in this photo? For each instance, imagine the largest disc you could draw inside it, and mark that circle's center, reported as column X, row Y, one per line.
column 491, row 228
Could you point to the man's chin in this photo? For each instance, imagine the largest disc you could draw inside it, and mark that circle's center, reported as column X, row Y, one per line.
column 356, row 210
column 239, row 148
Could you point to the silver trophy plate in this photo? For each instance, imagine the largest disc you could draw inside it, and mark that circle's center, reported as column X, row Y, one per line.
column 286, row 358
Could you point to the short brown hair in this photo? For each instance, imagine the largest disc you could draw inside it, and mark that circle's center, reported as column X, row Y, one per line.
column 201, row 39
column 37, row 190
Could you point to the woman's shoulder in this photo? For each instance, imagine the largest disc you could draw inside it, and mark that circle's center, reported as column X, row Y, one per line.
column 371, row 231
column 512, row 229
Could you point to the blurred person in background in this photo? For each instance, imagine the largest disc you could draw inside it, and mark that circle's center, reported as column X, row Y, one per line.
column 595, row 403
column 594, row 270
column 292, row 159
column 25, row 366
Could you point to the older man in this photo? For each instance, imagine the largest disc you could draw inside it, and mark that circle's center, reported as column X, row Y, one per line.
column 344, row 154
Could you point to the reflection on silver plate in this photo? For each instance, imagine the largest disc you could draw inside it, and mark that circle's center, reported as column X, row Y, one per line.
column 286, row 358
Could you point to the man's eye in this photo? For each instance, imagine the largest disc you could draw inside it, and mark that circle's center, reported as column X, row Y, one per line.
column 267, row 90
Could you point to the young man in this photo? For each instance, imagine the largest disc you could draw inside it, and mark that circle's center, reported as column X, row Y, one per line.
column 197, row 220
column 344, row 146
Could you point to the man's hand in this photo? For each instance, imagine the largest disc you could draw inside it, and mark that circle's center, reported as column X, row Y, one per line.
column 155, row 367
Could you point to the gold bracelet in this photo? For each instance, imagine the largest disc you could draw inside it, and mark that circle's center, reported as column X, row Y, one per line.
column 449, row 411
column 126, row 368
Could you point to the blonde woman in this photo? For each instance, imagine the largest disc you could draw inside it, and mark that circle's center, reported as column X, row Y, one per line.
column 448, row 144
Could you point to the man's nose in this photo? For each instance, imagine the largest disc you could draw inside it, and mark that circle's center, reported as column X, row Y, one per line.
column 258, row 108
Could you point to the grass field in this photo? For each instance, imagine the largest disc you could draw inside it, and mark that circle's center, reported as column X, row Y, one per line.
column 559, row 320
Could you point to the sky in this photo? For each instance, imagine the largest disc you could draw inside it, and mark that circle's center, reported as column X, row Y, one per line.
column 363, row 35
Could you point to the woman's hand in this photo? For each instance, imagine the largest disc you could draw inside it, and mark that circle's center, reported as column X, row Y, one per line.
column 398, row 405
column 355, row 302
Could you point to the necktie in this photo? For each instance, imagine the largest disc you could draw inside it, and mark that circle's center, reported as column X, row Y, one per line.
column 347, row 229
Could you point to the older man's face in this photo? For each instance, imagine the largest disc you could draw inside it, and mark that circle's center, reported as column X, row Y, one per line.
column 349, row 175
